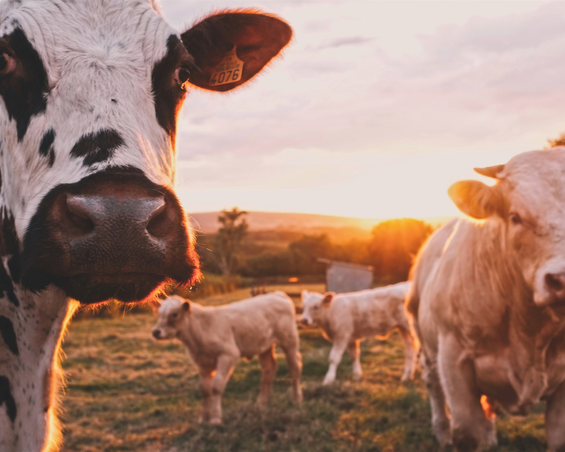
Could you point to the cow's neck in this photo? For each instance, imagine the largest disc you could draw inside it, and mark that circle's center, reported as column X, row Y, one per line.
column 528, row 329
column 31, row 327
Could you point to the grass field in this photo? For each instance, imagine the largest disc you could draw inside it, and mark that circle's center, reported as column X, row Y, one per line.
column 125, row 392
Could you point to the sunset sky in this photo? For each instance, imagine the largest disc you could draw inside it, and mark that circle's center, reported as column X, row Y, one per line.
column 376, row 107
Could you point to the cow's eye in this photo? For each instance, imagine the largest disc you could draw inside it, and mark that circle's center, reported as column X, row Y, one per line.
column 174, row 315
column 515, row 218
column 7, row 64
column 182, row 76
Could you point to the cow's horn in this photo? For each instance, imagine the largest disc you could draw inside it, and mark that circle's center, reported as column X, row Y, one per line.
column 490, row 171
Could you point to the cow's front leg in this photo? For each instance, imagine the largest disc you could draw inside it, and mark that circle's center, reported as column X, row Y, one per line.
column 224, row 369
column 471, row 431
column 206, row 391
column 440, row 421
column 555, row 420
column 339, row 346
column 355, row 353
column 268, row 363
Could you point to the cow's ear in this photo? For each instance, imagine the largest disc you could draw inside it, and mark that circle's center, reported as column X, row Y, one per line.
column 328, row 298
column 303, row 294
column 475, row 199
column 230, row 47
column 186, row 306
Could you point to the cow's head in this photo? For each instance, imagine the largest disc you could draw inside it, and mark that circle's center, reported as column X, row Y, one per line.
column 312, row 305
column 529, row 199
column 89, row 96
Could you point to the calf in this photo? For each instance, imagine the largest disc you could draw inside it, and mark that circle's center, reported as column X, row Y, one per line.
column 488, row 303
column 216, row 337
column 346, row 319
column 90, row 92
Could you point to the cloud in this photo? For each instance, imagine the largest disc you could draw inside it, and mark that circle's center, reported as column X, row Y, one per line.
column 374, row 79
column 347, row 41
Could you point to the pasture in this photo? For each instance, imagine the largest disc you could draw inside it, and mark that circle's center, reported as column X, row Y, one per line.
column 126, row 392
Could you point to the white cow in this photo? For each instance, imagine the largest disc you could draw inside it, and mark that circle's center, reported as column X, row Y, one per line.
column 346, row 319
column 217, row 337
column 488, row 303
column 90, row 92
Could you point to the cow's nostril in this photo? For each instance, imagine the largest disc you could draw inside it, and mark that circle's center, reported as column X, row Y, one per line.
column 156, row 334
column 78, row 215
column 159, row 222
column 554, row 282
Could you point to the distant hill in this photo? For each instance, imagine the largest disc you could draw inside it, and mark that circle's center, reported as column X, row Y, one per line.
column 207, row 222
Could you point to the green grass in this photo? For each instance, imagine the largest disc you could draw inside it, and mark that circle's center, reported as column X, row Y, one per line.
column 125, row 392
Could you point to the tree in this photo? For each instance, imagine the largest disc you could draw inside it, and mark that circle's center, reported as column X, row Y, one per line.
column 394, row 244
column 232, row 231
column 306, row 251
column 557, row 142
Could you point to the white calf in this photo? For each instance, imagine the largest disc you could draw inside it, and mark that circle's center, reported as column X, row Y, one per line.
column 348, row 318
column 216, row 337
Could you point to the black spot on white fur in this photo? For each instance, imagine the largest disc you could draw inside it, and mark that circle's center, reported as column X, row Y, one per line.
column 8, row 334
column 166, row 92
column 97, row 147
column 7, row 287
column 46, row 146
column 24, row 92
column 6, row 398
column 9, row 246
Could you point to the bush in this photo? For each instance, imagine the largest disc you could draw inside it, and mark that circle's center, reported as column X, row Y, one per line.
column 212, row 284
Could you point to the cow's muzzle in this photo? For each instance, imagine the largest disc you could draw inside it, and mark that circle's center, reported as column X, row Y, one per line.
column 113, row 235
column 555, row 287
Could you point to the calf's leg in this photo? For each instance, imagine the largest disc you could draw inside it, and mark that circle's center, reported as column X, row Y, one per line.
column 411, row 351
column 339, row 346
column 555, row 420
column 268, row 363
column 206, row 391
column 294, row 363
column 224, row 369
column 471, row 431
column 355, row 353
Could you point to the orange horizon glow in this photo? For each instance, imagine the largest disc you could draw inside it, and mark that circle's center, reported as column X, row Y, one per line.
column 379, row 187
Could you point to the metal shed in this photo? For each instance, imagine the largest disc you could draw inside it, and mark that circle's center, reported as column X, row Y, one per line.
column 344, row 277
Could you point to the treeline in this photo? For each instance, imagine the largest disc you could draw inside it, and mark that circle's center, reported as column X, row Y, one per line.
column 390, row 249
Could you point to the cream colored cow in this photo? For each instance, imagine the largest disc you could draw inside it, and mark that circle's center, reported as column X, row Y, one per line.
column 216, row 337
column 488, row 303
column 346, row 319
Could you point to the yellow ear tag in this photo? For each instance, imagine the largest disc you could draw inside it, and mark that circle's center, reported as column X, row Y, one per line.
column 228, row 71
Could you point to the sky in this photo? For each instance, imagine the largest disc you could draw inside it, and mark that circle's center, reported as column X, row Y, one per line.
column 376, row 107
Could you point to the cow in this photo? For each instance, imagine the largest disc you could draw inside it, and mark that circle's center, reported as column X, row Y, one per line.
column 90, row 91
column 488, row 303
column 346, row 319
column 216, row 337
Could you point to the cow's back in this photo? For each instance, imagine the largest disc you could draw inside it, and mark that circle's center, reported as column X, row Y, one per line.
column 425, row 263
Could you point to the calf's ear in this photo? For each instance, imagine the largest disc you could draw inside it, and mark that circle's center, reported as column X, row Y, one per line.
column 328, row 298
column 186, row 306
column 254, row 37
column 474, row 198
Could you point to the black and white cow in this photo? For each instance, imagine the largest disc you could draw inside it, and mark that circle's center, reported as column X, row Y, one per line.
column 89, row 96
